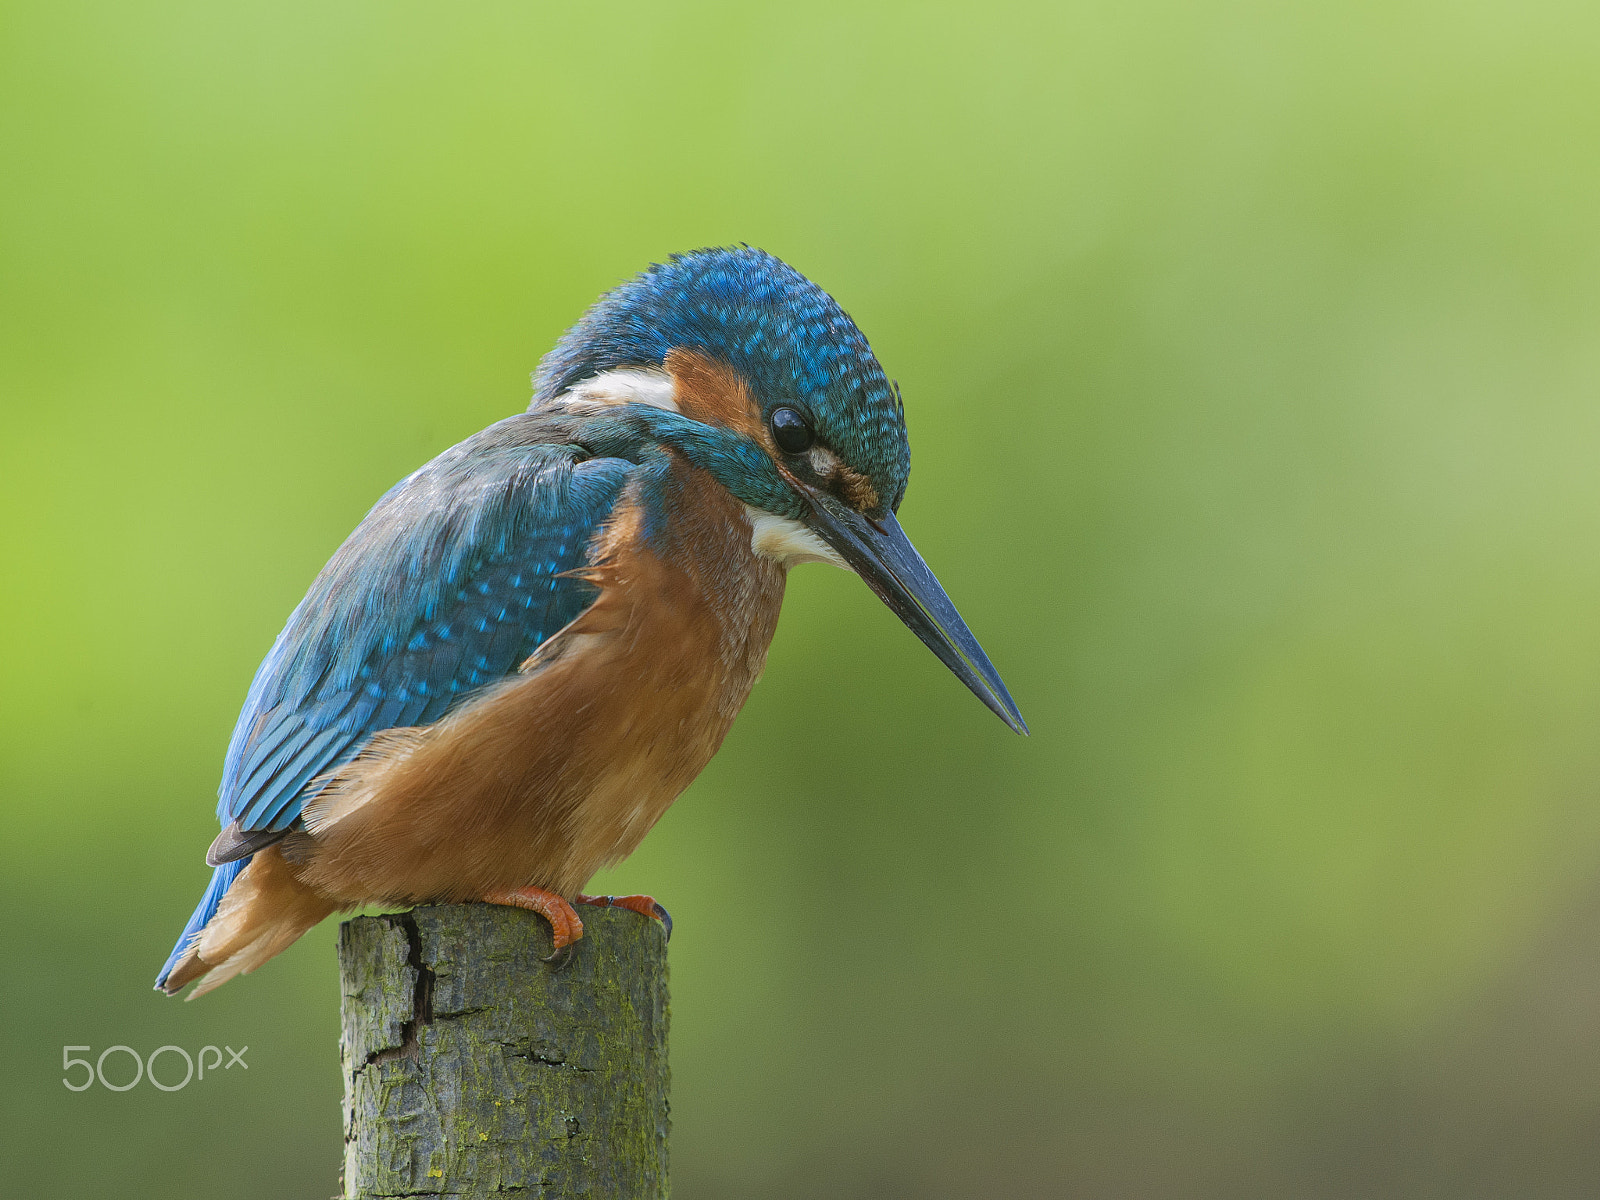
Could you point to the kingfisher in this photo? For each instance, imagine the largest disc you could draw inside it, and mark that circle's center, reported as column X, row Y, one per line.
column 532, row 644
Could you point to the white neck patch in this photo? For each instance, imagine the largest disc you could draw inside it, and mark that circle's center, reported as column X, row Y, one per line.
column 788, row 541
column 625, row 385
column 781, row 539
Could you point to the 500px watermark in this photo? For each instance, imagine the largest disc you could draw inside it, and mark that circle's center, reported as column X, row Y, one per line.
column 145, row 1068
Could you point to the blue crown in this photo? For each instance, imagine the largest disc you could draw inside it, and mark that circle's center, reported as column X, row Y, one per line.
column 782, row 332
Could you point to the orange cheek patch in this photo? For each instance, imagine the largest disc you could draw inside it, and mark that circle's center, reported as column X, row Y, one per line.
column 714, row 393
column 854, row 488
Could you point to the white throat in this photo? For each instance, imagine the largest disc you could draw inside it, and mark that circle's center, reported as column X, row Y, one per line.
column 787, row 541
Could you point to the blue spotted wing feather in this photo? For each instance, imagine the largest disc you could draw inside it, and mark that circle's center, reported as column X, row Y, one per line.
column 458, row 574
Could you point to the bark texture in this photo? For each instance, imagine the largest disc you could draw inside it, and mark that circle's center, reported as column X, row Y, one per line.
column 474, row 1069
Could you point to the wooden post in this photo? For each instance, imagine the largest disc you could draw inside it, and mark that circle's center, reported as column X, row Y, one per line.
column 472, row 1068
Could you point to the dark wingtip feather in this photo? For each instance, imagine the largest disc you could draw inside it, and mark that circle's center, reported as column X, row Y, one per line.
column 234, row 843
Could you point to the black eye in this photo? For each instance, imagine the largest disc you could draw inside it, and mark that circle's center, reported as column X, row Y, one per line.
column 790, row 431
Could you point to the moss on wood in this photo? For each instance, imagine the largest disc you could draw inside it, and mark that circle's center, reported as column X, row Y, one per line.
column 473, row 1068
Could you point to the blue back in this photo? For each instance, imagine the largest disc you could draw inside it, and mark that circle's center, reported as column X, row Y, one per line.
column 450, row 582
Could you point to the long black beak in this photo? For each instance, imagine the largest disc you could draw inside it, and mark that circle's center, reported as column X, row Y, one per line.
column 882, row 555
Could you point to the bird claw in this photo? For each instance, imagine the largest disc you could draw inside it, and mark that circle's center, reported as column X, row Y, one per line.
column 566, row 928
column 565, row 925
column 645, row 906
column 561, row 957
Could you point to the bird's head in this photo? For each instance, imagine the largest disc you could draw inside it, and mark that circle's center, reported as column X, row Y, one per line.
column 756, row 374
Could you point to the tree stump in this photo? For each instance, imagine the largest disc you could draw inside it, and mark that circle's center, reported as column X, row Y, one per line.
column 472, row 1068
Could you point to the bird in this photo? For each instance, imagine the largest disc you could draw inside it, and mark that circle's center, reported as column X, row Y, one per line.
column 532, row 644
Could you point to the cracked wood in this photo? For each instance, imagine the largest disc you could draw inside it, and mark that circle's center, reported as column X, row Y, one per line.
column 473, row 1068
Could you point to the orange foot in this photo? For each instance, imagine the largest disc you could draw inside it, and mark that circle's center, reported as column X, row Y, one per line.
column 645, row 906
column 565, row 927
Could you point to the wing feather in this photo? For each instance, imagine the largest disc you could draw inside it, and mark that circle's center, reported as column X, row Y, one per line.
column 456, row 576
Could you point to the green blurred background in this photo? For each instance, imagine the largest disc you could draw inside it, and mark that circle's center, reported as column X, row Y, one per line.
column 1251, row 356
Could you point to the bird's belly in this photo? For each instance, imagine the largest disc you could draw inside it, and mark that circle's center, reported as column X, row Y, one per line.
column 560, row 770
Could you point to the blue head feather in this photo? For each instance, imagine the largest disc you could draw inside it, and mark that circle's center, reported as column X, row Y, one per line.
column 783, row 333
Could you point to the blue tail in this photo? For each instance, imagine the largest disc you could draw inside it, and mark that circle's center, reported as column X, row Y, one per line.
column 221, row 880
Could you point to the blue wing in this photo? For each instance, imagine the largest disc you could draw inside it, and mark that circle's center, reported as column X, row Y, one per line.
column 450, row 582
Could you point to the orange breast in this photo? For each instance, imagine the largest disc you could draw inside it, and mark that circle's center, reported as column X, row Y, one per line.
column 564, row 768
